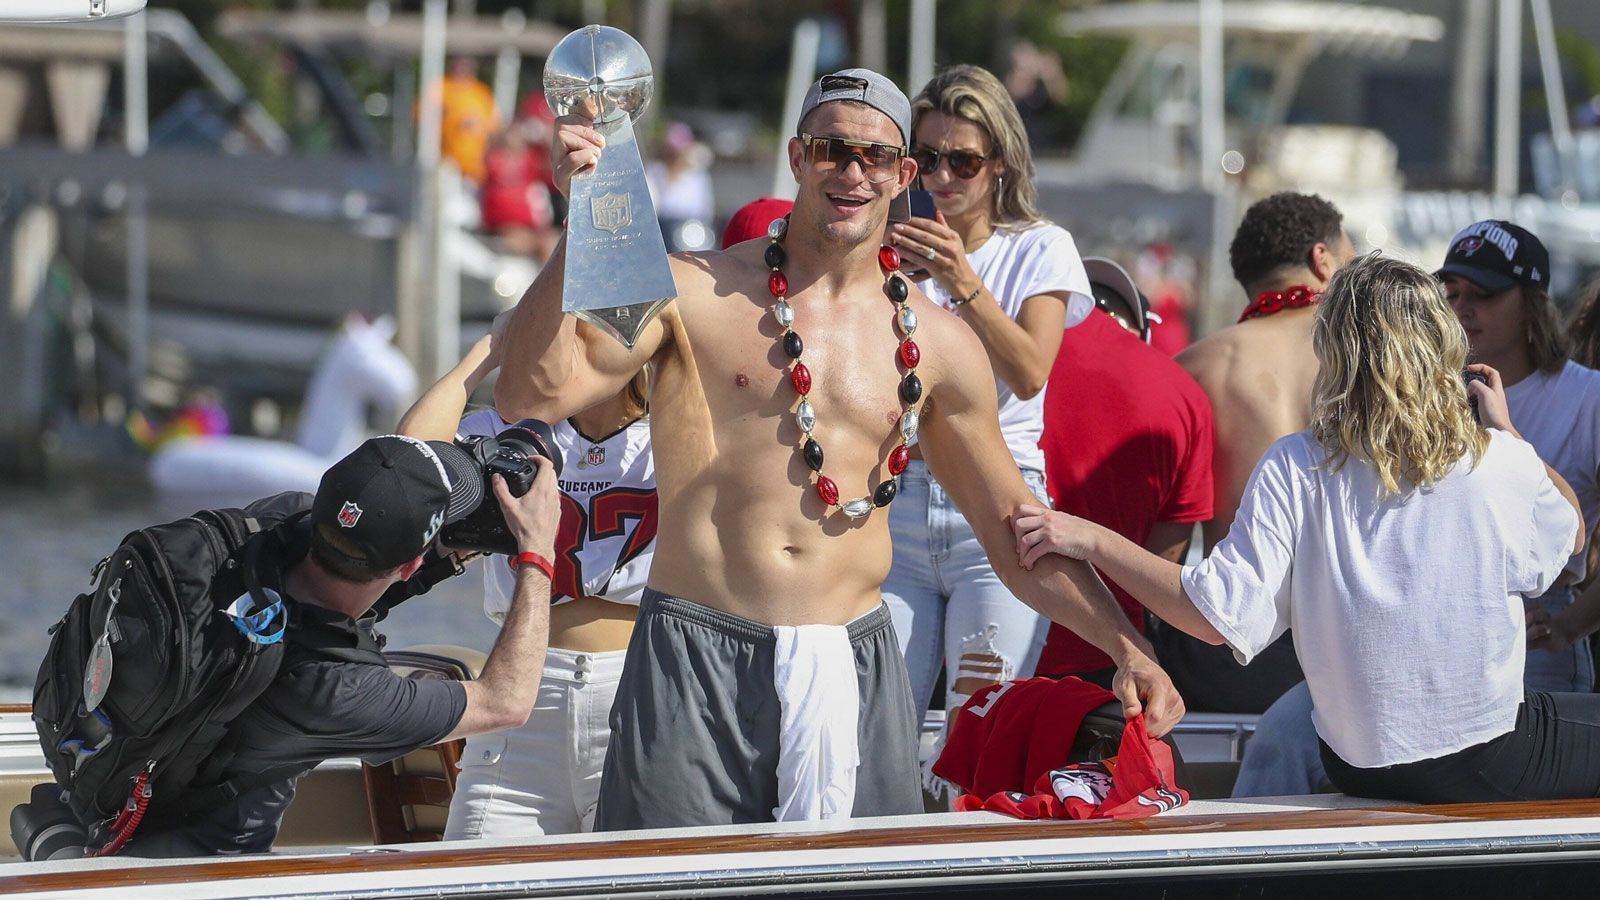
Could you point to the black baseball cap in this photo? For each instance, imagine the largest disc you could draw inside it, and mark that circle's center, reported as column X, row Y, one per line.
column 388, row 499
column 1113, row 286
column 1496, row 255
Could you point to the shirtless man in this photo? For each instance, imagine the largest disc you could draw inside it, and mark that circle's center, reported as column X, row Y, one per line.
column 1258, row 374
column 763, row 680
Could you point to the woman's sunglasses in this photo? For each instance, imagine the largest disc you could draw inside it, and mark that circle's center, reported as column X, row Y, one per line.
column 879, row 162
column 964, row 164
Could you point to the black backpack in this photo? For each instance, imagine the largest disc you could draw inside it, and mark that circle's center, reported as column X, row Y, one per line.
column 145, row 672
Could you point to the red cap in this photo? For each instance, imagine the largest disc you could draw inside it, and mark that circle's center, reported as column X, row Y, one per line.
column 752, row 219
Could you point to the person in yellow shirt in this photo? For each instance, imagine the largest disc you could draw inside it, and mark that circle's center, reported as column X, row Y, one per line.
column 467, row 117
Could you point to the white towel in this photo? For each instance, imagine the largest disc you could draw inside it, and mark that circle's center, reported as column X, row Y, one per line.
column 818, row 744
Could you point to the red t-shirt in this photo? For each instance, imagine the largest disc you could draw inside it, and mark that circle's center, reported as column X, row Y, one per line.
column 1127, row 443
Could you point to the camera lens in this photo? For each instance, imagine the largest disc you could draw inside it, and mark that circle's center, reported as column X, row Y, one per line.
column 531, row 437
column 45, row 827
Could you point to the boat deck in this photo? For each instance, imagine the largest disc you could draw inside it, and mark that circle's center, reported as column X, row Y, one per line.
column 921, row 854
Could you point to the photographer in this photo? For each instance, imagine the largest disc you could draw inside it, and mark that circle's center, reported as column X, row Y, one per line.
column 371, row 526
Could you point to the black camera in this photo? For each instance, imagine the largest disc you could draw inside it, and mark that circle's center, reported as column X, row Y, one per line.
column 1468, row 377
column 45, row 827
column 507, row 455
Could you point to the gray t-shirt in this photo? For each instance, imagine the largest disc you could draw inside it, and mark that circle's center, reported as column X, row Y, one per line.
column 316, row 709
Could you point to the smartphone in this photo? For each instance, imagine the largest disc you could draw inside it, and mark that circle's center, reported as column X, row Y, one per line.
column 1468, row 376
column 911, row 202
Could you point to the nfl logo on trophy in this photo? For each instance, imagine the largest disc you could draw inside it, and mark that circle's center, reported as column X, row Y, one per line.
column 612, row 212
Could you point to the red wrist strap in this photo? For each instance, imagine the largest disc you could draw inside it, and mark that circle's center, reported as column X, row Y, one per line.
column 529, row 558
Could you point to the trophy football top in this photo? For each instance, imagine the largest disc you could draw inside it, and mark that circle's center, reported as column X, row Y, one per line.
column 600, row 70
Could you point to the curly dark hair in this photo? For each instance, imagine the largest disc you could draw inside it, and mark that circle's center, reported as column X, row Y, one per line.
column 1279, row 232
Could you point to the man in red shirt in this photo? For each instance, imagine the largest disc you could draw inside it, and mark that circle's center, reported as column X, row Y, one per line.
column 1127, row 443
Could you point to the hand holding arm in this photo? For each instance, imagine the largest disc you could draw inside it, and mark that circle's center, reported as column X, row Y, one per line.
column 1153, row 581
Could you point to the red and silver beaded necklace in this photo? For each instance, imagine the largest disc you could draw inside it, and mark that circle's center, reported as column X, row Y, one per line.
column 1272, row 302
column 907, row 357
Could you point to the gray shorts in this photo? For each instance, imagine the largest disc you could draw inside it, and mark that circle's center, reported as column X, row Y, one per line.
column 695, row 726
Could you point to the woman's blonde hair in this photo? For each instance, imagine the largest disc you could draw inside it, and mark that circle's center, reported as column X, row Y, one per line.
column 974, row 94
column 1389, row 390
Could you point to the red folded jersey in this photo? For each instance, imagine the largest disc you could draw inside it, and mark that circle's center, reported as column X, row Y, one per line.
column 1137, row 782
column 1009, row 734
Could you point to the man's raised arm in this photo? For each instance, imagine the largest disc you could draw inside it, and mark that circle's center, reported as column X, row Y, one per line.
column 554, row 365
column 965, row 451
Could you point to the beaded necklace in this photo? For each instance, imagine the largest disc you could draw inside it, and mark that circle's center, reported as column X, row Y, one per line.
column 1271, row 302
column 907, row 356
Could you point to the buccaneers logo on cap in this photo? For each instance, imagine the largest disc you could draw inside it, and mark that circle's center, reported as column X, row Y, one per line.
column 349, row 514
column 1469, row 245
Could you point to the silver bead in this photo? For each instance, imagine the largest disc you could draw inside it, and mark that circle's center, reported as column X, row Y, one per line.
column 805, row 416
column 908, row 425
column 908, row 320
column 777, row 228
column 858, row 508
column 784, row 313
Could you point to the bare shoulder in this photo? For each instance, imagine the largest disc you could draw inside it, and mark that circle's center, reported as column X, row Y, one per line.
column 1210, row 359
column 706, row 275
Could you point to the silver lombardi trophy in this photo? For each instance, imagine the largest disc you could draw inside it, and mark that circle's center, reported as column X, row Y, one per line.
column 617, row 275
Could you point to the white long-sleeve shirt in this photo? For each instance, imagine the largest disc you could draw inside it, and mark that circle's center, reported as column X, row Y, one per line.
column 1407, row 611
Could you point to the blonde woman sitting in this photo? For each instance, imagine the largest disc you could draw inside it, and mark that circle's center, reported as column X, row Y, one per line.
column 1397, row 537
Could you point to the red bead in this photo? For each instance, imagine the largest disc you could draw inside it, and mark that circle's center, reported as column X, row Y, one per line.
column 827, row 490
column 800, row 377
column 889, row 258
column 909, row 354
column 899, row 459
column 778, row 284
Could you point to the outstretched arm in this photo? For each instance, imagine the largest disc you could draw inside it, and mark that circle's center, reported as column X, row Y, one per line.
column 437, row 412
column 965, row 451
column 554, row 364
column 1151, row 579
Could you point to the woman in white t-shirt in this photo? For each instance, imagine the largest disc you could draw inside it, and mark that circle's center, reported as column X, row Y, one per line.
column 1398, row 538
column 1017, row 280
column 544, row 778
column 1496, row 276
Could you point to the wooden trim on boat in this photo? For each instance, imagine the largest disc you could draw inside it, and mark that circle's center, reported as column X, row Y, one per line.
column 430, row 858
column 25, row 709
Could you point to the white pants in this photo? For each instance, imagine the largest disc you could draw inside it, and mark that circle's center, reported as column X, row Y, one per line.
column 542, row 778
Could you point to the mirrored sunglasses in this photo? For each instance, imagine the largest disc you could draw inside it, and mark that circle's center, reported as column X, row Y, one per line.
column 879, row 162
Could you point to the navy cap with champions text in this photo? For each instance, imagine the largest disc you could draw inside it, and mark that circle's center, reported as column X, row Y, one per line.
column 862, row 86
column 385, row 502
column 1496, row 255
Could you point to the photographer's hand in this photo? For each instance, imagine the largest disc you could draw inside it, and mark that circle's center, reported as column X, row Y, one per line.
column 534, row 517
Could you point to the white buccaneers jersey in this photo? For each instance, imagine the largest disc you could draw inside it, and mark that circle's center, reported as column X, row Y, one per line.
column 608, row 516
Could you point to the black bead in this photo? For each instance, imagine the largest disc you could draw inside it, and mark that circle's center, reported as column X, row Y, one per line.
column 884, row 495
column 813, row 454
column 898, row 291
column 910, row 389
column 774, row 255
column 792, row 344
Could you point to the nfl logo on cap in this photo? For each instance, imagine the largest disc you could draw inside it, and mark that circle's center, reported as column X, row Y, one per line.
column 349, row 514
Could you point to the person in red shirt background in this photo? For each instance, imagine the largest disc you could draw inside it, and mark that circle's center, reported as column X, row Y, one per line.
column 1127, row 443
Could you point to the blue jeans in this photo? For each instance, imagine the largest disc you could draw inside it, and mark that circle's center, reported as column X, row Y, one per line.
column 1282, row 758
column 1571, row 670
column 943, row 594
